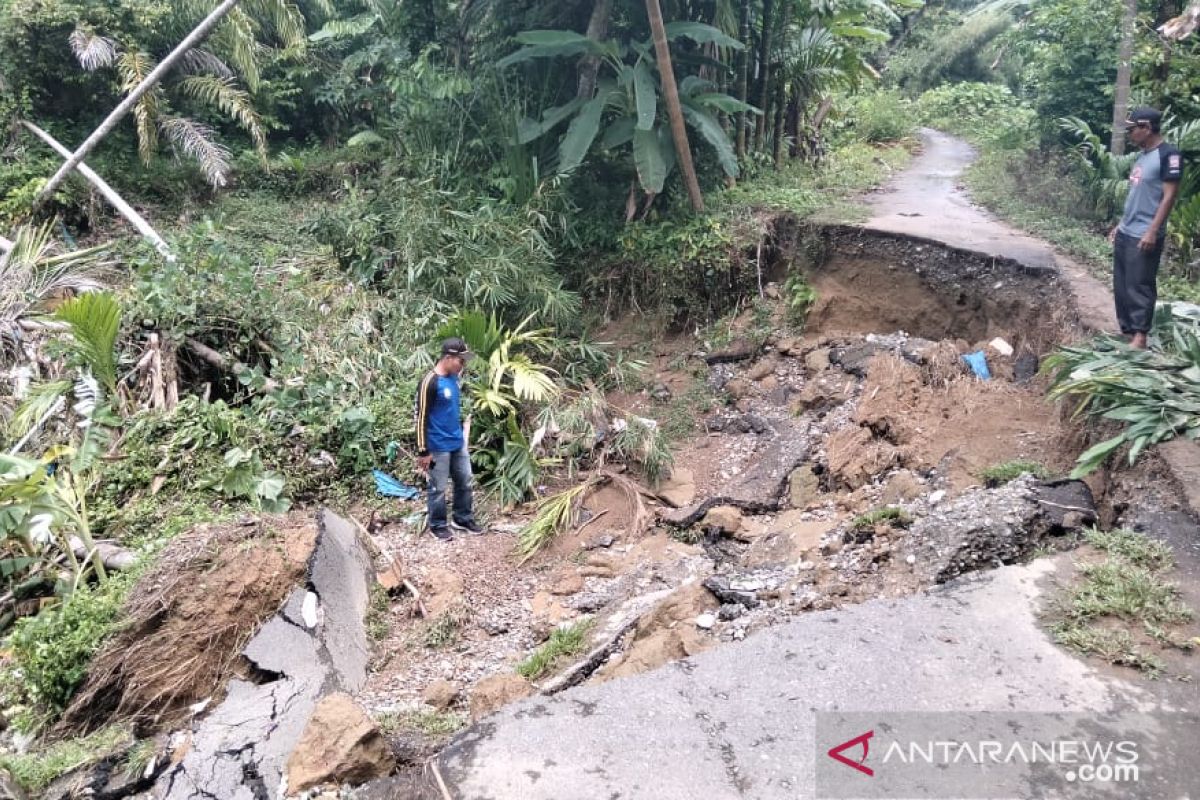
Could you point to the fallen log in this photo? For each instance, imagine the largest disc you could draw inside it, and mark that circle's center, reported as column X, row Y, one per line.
column 224, row 362
column 687, row 517
column 113, row 557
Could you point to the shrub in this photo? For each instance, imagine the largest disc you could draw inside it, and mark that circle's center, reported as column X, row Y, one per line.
column 988, row 113
column 881, row 116
column 51, row 651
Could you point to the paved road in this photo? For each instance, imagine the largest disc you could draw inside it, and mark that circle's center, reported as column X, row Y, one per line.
column 741, row 721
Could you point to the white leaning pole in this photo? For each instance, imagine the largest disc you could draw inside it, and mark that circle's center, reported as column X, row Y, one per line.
column 110, row 194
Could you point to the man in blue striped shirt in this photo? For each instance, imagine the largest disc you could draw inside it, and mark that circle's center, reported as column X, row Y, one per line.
column 442, row 443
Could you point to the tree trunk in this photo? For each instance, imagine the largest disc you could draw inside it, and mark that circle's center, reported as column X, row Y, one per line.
column 743, row 87
column 1121, row 92
column 109, row 193
column 793, row 123
column 192, row 40
column 674, row 110
column 780, row 113
column 764, row 78
column 597, row 31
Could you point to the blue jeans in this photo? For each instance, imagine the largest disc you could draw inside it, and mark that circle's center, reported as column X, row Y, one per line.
column 454, row 466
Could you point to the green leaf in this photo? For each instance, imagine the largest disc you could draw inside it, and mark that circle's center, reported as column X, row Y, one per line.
column 701, row 34
column 551, row 37
column 694, row 84
column 528, row 129
column 646, row 95
column 1093, row 457
column 618, row 133
column 648, row 157
column 269, row 486
column 582, row 132
column 714, row 134
column 724, row 102
column 95, row 320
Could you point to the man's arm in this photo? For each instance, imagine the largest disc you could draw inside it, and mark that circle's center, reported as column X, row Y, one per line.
column 426, row 394
column 1170, row 166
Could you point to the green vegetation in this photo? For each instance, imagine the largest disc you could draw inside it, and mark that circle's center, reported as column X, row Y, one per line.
column 444, row 630
column 377, row 619
column 892, row 517
column 1000, row 474
column 426, row 721
column 1153, row 394
column 1101, row 615
column 562, row 644
column 35, row 771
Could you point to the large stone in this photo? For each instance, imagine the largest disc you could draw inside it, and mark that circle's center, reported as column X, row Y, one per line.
column 817, row 360
column 803, row 486
column 824, row 392
column 738, row 388
column 569, row 581
column 902, row 486
column 680, row 489
column 855, row 358
column 441, row 694
column 496, row 692
column 442, row 591
column 762, row 369
column 728, row 519
column 340, row 744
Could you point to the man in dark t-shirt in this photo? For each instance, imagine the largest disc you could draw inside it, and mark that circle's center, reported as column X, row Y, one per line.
column 442, row 443
column 1139, row 237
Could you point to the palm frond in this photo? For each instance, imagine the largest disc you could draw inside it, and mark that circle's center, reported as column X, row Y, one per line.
column 37, row 406
column 92, row 50
column 199, row 61
column 197, row 141
column 34, row 271
column 238, row 35
column 222, row 93
column 133, row 67
column 95, row 320
column 286, row 18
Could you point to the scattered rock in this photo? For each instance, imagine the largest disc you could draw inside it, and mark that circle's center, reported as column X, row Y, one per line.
column 817, row 360
column 1025, row 367
column 803, row 486
column 730, row 611
column 937, row 497
column 441, row 695
column 740, row 350
column 787, row 345
column 597, row 572
column 903, row 485
column 600, row 541
column 568, row 582
column 661, row 392
column 763, row 368
column 738, row 388
column 340, row 744
column 680, row 489
column 496, row 692
column 442, row 591
column 720, row 586
column 727, row 519
column 823, row 393
column 769, row 383
column 854, row 358
column 750, row 423
column 706, row 621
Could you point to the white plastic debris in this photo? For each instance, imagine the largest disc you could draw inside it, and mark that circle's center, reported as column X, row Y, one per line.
column 310, row 611
column 937, row 497
column 706, row 621
column 1000, row 346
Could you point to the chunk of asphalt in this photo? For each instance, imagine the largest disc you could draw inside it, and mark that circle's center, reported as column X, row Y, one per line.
column 341, row 573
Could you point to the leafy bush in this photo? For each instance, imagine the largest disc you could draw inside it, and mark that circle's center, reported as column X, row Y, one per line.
column 987, row 113
column 1154, row 393
column 51, row 651
column 884, row 115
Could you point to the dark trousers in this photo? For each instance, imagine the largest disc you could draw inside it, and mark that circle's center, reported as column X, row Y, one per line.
column 1135, row 273
column 446, row 467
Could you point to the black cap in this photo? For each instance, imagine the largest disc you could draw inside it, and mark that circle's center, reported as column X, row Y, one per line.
column 1145, row 114
column 455, row 346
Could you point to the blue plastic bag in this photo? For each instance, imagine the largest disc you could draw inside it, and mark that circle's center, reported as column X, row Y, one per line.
column 388, row 486
column 978, row 363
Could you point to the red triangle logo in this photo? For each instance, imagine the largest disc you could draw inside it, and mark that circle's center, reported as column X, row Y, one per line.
column 836, row 753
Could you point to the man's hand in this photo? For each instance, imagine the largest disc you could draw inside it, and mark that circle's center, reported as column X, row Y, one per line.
column 424, row 462
column 1149, row 241
column 1112, row 235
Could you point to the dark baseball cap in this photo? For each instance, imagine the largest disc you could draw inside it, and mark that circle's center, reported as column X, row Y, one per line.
column 455, row 346
column 1145, row 114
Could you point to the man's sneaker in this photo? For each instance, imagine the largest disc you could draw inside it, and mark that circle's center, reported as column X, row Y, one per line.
column 471, row 527
column 442, row 533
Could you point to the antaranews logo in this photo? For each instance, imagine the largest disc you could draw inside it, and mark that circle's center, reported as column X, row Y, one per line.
column 863, row 741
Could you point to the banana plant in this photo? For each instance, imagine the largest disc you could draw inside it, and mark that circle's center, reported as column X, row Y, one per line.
column 626, row 111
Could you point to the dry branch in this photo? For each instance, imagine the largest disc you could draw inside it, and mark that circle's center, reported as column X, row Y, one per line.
column 224, row 362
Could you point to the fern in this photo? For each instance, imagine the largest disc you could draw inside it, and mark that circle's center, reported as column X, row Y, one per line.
column 221, row 93
column 198, row 61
